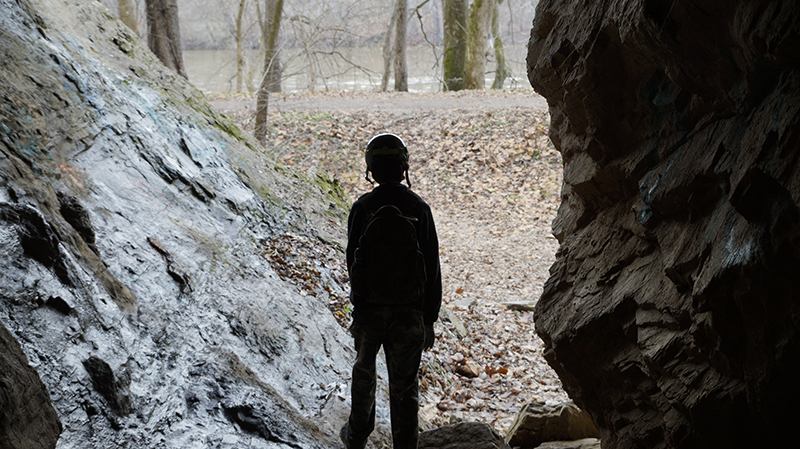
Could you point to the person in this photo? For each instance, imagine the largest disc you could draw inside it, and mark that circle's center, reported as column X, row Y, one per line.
column 404, row 327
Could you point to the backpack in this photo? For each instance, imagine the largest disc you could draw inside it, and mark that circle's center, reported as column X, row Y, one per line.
column 388, row 266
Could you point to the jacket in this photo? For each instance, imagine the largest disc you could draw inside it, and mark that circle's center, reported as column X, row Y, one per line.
column 431, row 299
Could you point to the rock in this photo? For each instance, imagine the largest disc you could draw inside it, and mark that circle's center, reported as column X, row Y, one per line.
column 461, row 330
column 463, row 435
column 468, row 369
column 133, row 273
column 671, row 313
column 27, row 417
column 537, row 423
column 520, row 306
column 585, row 443
column 105, row 383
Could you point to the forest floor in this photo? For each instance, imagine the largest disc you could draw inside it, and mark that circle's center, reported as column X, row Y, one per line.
column 483, row 162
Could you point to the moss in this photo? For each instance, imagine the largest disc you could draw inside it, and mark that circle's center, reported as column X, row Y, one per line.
column 332, row 189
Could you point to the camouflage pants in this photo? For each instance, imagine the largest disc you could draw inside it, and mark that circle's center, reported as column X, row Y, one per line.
column 401, row 332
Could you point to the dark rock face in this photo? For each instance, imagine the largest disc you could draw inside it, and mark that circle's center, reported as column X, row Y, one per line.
column 27, row 418
column 672, row 311
column 132, row 267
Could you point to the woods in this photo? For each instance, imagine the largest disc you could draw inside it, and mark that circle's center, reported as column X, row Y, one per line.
column 317, row 42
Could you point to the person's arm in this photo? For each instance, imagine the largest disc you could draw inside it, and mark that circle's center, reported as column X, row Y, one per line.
column 353, row 232
column 433, row 286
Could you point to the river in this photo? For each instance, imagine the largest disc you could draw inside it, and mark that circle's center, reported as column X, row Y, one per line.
column 346, row 69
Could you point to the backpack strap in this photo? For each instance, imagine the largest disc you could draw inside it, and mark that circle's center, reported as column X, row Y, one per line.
column 370, row 203
column 407, row 204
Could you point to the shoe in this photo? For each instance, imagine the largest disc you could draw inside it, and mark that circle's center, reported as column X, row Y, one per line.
column 345, row 436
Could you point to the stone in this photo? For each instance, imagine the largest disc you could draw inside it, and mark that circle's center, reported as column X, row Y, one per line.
column 463, row 435
column 584, row 443
column 537, row 423
column 468, row 368
column 27, row 417
column 461, row 330
column 671, row 313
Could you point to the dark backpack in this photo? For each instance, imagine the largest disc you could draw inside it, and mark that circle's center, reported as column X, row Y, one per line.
column 388, row 266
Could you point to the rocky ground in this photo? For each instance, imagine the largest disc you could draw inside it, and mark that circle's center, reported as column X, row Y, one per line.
column 483, row 162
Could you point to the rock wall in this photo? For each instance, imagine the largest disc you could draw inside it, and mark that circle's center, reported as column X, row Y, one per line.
column 27, row 418
column 133, row 229
column 672, row 311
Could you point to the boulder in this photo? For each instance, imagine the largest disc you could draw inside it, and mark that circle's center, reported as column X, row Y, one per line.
column 671, row 313
column 537, row 423
column 27, row 417
column 463, row 435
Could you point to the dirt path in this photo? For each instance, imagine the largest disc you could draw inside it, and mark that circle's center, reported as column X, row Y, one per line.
column 483, row 162
column 393, row 102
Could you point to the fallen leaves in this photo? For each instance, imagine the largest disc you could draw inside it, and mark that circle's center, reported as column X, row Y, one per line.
column 493, row 180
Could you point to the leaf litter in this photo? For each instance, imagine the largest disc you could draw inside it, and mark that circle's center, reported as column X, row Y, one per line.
column 492, row 178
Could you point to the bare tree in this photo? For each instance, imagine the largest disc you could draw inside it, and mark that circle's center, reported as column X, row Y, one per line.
column 127, row 14
column 387, row 50
column 480, row 15
column 270, row 22
column 275, row 7
column 164, row 35
column 240, row 62
column 455, row 43
column 400, row 67
column 501, row 72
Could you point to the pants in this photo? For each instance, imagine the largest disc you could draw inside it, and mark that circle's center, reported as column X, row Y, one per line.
column 401, row 332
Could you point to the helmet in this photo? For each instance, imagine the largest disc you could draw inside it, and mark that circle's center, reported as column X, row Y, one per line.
column 386, row 146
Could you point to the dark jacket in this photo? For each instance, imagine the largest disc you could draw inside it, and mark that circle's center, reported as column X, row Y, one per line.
column 431, row 299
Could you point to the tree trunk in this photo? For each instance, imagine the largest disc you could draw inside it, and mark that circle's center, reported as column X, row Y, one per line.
column 127, row 14
column 388, row 51
column 262, row 99
column 480, row 15
column 501, row 73
column 240, row 46
column 163, row 33
column 455, row 43
column 400, row 69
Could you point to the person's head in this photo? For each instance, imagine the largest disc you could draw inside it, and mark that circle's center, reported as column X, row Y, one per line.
column 387, row 159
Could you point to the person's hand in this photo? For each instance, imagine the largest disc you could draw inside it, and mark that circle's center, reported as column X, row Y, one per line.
column 430, row 336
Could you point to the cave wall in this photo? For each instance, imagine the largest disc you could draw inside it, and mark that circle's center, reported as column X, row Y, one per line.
column 134, row 279
column 27, row 417
column 672, row 310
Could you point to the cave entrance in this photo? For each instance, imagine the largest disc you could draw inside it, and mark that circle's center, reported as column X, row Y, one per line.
column 483, row 161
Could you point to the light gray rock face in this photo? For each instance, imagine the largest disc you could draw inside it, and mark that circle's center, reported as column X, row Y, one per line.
column 672, row 313
column 132, row 271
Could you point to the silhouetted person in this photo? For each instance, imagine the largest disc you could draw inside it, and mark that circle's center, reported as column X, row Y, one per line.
column 396, row 292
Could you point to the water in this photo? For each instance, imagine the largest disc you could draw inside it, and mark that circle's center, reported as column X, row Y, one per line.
column 346, row 69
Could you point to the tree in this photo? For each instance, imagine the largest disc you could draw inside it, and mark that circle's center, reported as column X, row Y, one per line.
column 455, row 43
column 501, row 72
column 163, row 33
column 240, row 68
column 400, row 68
column 270, row 23
column 394, row 50
column 480, row 14
column 275, row 7
column 387, row 51
column 127, row 14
